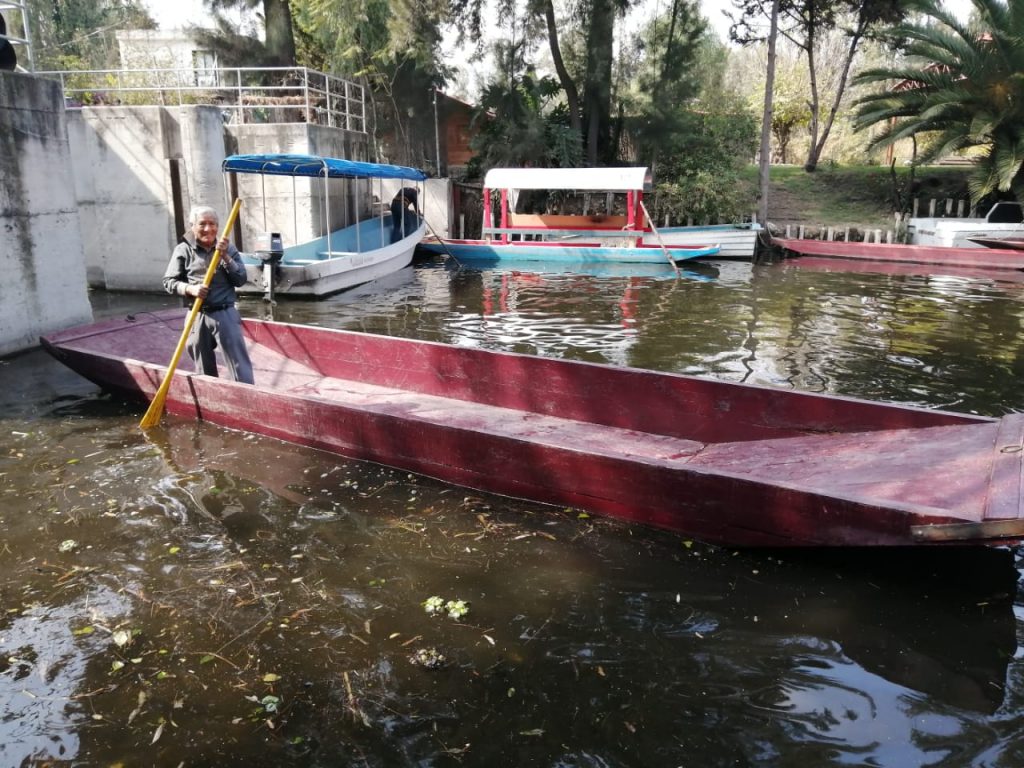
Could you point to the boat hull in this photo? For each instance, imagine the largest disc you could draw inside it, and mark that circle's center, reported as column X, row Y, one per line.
column 1003, row 220
column 734, row 241
column 325, row 267
column 565, row 252
column 732, row 464
column 936, row 256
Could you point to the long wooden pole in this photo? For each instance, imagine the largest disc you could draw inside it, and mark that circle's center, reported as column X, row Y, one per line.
column 442, row 242
column 156, row 407
column 661, row 242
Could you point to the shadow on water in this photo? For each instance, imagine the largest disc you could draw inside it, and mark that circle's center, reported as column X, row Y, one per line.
column 199, row 596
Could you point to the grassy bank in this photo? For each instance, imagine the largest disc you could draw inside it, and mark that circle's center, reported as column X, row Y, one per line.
column 857, row 196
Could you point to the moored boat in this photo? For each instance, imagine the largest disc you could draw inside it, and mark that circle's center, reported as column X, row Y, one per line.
column 931, row 257
column 1003, row 219
column 728, row 463
column 702, row 271
column 600, row 217
column 343, row 257
column 735, row 241
column 565, row 252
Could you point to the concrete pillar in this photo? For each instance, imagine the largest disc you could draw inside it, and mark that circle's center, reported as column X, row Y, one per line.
column 44, row 286
column 121, row 158
column 202, row 149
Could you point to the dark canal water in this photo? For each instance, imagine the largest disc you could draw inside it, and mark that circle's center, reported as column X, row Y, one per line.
column 200, row 597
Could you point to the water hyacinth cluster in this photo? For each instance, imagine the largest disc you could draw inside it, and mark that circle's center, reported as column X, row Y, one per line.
column 455, row 609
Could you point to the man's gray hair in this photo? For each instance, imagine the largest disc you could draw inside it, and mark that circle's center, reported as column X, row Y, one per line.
column 198, row 211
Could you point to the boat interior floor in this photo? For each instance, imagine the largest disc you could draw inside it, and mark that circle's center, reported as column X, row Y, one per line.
column 948, row 468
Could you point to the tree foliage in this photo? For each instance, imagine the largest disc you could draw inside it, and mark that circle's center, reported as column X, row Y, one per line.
column 392, row 47
column 519, row 122
column 584, row 68
column 699, row 176
column 278, row 49
column 79, row 34
column 684, row 121
column 958, row 86
column 806, row 24
column 597, row 80
column 665, row 82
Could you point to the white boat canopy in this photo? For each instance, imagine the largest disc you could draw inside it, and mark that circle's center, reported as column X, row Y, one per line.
column 581, row 179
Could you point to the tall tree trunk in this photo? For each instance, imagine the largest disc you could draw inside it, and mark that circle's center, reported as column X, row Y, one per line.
column 819, row 146
column 572, row 95
column 597, row 89
column 659, row 84
column 766, row 116
column 812, row 72
column 277, row 17
column 668, row 48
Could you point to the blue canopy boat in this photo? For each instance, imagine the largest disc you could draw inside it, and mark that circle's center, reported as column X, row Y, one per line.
column 372, row 246
column 607, row 230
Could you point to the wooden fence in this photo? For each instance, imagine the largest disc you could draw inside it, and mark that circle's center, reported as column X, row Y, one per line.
column 921, row 208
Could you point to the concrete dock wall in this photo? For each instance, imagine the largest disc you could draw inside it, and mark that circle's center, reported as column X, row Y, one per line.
column 98, row 197
column 139, row 171
column 122, row 181
column 43, row 287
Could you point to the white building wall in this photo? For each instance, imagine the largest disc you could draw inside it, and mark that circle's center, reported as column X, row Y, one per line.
column 125, row 159
column 43, row 287
column 160, row 49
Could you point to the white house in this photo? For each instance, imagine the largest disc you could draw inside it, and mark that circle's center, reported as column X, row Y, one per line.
column 168, row 49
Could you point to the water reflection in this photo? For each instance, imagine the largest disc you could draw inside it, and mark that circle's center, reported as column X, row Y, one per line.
column 271, row 596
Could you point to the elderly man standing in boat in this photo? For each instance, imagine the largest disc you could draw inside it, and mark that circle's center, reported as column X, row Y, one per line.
column 219, row 323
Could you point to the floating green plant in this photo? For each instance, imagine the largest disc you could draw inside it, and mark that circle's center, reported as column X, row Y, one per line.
column 433, row 604
column 456, row 608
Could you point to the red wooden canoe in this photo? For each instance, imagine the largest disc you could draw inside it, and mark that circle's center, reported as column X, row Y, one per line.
column 934, row 255
column 728, row 463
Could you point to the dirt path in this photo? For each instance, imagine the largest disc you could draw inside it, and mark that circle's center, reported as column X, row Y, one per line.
column 795, row 209
column 786, row 208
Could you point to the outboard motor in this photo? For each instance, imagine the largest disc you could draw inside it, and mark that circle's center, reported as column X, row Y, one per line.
column 270, row 251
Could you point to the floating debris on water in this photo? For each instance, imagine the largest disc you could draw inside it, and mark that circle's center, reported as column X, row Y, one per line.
column 428, row 658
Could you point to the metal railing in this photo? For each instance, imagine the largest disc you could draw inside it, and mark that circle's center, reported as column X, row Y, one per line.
column 21, row 8
column 247, row 94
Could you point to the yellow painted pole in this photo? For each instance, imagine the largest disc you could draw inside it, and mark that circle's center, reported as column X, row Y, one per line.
column 156, row 408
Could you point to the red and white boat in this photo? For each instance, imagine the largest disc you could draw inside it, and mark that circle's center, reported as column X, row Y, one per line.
column 728, row 463
column 609, row 223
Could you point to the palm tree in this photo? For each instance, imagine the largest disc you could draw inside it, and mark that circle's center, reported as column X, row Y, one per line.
column 960, row 86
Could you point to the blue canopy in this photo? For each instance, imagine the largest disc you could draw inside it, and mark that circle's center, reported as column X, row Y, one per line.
column 319, row 167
